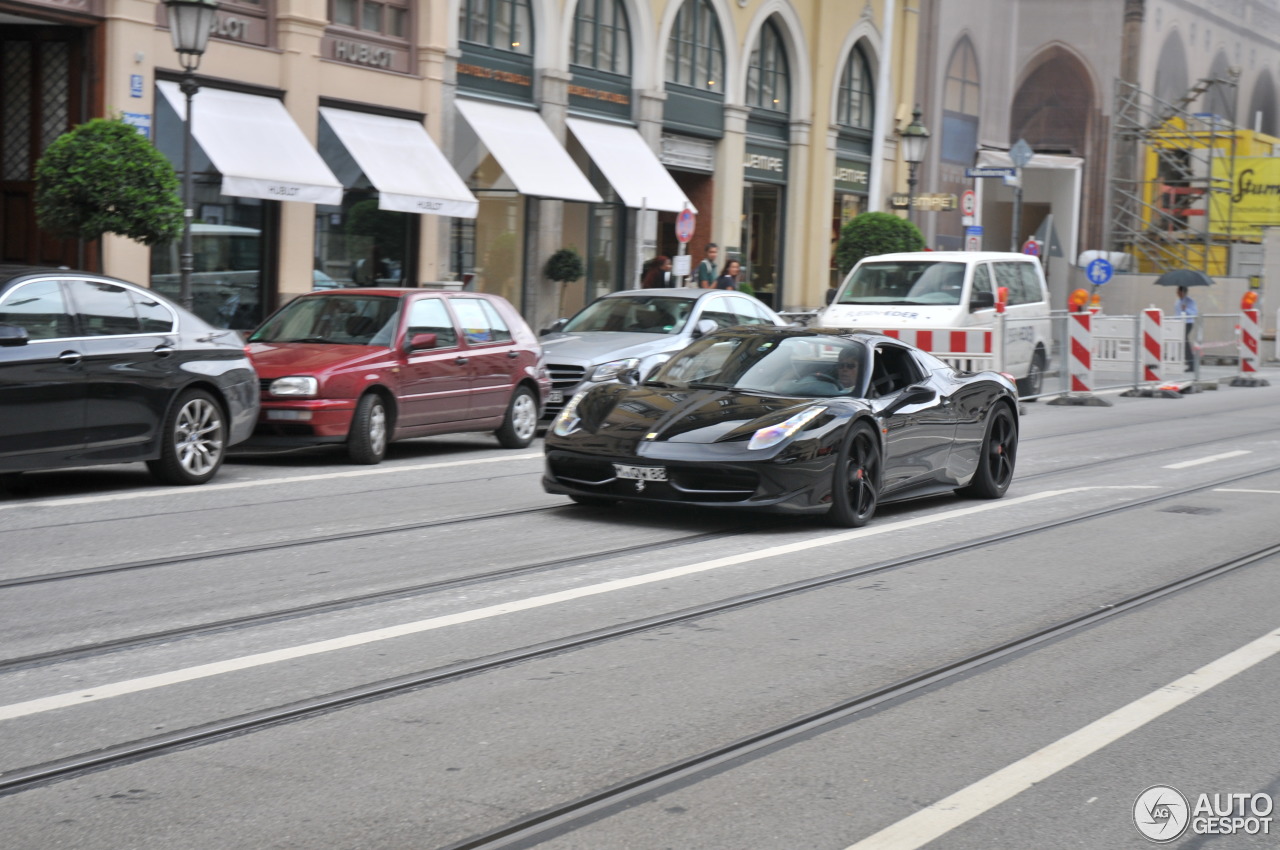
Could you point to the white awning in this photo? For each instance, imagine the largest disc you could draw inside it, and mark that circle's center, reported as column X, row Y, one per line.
column 630, row 166
column 524, row 146
column 256, row 145
column 1000, row 159
column 409, row 171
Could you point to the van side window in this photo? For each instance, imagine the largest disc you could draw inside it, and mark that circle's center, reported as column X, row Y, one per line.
column 1009, row 276
column 982, row 278
column 1031, row 287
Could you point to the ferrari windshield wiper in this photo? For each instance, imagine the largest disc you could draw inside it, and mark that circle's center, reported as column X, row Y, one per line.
column 657, row 384
column 699, row 385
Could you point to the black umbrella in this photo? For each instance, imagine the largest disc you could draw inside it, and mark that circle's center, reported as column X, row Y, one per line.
column 1184, row 277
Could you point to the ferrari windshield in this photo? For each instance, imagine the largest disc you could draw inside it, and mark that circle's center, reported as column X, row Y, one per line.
column 333, row 318
column 804, row 366
column 652, row 314
column 904, row 282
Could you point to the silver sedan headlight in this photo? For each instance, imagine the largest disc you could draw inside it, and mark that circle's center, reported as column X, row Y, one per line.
column 611, row 370
column 295, row 386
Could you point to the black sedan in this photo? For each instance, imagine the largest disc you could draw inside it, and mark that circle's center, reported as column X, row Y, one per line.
column 788, row 420
column 94, row 370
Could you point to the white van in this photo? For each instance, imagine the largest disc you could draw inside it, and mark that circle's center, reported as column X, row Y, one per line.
column 952, row 289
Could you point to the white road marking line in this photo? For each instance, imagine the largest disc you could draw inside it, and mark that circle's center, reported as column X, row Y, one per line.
column 265, row 482
column 187, row 674
column 1230, row 490
column 945, row 815
column 1210, row 459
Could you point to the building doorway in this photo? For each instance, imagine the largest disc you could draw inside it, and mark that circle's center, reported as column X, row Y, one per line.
column 42, row 96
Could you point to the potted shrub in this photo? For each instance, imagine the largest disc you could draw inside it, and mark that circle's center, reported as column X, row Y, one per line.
column 874, row 233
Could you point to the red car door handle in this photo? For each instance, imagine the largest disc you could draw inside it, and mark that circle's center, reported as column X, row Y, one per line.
column 460, row 360
column 513, row 354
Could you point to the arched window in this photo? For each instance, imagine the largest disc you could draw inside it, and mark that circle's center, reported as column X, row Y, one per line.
column 1171, row 70
column 960, row 105
column 501, row 24
column 1262, row 106
column 601, row 36
column 1221, row 100
column 768, row 75
column 695, row 51
column 855, row 103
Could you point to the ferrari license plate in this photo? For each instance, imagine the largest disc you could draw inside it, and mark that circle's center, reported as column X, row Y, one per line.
column 640, row 473
column 555, row 396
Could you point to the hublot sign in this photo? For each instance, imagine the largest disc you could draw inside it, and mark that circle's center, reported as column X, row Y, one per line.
column 352, row 51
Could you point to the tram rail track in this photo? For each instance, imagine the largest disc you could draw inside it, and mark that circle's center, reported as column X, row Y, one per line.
column 339, row 537
column 19, row 779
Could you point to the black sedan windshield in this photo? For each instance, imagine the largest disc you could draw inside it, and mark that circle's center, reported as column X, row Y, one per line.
column 905, row 282
column 645, row 315
column 804, row 366
column 333, row 318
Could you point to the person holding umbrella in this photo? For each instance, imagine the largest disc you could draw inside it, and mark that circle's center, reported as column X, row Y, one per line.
column 1186, row 307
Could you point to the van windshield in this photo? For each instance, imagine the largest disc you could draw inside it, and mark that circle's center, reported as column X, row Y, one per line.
column 904, row 282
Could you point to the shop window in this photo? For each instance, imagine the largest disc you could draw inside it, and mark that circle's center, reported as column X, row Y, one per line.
column 358, row 244
column 602, row 36
column 500, row 24
column 383, row 17
column 855, row 103
column 695, row 51
column 768, row 74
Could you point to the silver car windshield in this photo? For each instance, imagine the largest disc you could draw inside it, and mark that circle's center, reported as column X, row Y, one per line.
column 904, row 282
column 643, row 315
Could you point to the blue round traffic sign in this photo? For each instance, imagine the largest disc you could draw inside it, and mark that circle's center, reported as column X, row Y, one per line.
column 1099, row 272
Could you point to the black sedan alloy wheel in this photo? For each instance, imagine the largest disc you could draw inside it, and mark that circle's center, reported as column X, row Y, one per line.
column 193, row 441
column 856, row 488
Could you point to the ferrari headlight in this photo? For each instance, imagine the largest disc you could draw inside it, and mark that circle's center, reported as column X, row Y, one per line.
column 567, row 422
column 769, row 437
column 295, row 386
column 609, row 371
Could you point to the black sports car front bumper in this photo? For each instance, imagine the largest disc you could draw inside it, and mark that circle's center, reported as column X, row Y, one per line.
column 789, row 484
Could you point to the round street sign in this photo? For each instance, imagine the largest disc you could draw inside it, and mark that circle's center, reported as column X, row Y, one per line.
column 968, row 202
column 1031, row 247
column 1099, row 272
column 684, row 225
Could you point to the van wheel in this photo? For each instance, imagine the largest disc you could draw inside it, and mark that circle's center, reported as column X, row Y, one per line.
column 367, row 442
column 1033, row 384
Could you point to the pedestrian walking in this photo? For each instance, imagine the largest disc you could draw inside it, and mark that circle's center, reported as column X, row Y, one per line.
column 659, row 274
column 729, row 278
column 1186, row 307
column 705, row 278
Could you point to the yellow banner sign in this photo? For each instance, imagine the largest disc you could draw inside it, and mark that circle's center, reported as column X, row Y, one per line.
column 1253, row 201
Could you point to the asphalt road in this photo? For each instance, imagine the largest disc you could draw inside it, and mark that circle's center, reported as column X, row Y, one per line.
column 958, row 674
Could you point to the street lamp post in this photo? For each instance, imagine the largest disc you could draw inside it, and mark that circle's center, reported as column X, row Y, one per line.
column 190, row 22
column 915, row 138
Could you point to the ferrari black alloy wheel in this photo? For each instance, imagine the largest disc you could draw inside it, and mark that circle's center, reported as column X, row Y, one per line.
column 995, row 462
column 856, row 488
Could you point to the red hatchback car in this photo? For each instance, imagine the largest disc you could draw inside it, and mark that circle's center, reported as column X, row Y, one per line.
column 365, row 367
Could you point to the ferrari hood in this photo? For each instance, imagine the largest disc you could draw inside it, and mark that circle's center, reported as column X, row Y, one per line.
column 615, row 419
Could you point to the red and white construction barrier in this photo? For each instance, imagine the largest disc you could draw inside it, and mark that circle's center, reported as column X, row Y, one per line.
column 946, row 342
column 1079, row 358
column 1152, row 345
column 1249, row 335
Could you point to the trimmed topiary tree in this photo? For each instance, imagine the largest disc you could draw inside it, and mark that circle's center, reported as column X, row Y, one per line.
column 874, row 233
column 105, row 177
column 565, row 266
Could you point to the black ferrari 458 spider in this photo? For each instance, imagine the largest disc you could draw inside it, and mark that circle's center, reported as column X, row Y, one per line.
column 788, row 420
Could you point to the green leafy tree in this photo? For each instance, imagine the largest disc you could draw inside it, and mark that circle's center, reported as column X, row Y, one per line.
column 874, row 233
column 105, row 177
column 565, row 266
